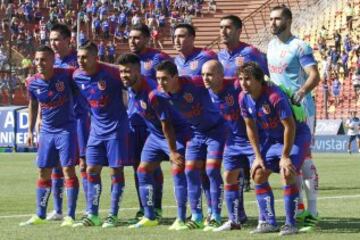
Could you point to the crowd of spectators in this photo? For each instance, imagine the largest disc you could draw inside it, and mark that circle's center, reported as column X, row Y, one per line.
column 340, row 58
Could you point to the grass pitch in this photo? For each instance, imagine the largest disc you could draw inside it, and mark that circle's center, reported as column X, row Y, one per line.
column 338, row 205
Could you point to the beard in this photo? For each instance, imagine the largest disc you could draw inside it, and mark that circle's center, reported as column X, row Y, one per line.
column 278, row 30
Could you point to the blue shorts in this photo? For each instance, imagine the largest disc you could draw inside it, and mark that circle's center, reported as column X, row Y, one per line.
column 157, row 149
column 82, row 129
column 272, row 152
column 137, row 138
column 53, row 148
column 208, row 145
column 111, row 152
column 237, row 154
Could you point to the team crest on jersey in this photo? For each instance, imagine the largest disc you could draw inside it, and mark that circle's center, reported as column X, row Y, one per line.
column 239, row 61
column 148, row 64
column 266, row 109
column 50, row 93
column 60, row 86
column 188, row 97
column 229, row 100
column 194, row 65
column 143, row 104
column 101, row 85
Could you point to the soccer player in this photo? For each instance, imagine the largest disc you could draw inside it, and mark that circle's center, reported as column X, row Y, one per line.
column 292, row 67
column 189, row 62
column 234, row 55
column 267, row 108
column 65, row 57
column 206, row 146
column 238, row 151
column 236, row 52
column 168, row 134
column 100, row 84
column 190, row 58
column 139, row 37
column 52, row 89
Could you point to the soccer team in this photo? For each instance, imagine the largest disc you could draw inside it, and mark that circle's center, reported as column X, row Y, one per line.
column 199, row 110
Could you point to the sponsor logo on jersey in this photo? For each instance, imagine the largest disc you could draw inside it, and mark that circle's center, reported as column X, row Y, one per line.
column 194, row 65
column 102, row 85
column 60, row 86
column 188, row 97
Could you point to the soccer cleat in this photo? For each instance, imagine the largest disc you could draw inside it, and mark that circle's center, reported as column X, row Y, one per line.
column 288, row 230
column 54, row 216
column 177, row 224
column 310, row 223
column 264, row 227
column 191, row 225
column 228, row 226
column 138, row 216
column 145, row 222
column 213, row 224
column 67, row 222
column 158, row 214
column 110, row 222
column 88, row 221
column 34, row 220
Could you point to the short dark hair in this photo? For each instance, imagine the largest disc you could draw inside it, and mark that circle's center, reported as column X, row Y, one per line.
column 188, row 27
column 252, row 69
column 89, row 46
column 234, row 19
column 44, row 48
column 167, row 66
column 128, row 58
column 141, row 28
column 285, row 11
column 62, row 29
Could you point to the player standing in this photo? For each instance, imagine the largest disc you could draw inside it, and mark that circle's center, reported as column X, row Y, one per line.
column 292, row 67
column 168, row 135
column 100, row 84
column 52, row 88
column 139, row 38
column 238, row 151
column 267, row 108
column 206, row 146
column 65, row 57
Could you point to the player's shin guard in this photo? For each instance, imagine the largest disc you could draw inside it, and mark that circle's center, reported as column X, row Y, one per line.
column 117, row 188
column 146, row 188
column 265, row 199
column 57, row 180
column 311, row 183
column 180, row 186
column 232, row 201
column 72, row 191
column 194, row 191
column 158, row 187
column 291, row 194
column 213, row 170
column 43, row 191
column 94, row 192
column 205, row 185
column 137, row 187
column 299, row 184
column 84, row 182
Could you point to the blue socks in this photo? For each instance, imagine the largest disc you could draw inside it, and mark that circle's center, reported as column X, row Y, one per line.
column 291, row 194
column 43, row 191
column 265, row 199
column 180, row 187
column 57, row 180
column 117, row 188
column 94, row 192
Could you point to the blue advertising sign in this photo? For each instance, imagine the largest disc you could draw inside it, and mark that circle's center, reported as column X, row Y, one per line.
column 334, row 144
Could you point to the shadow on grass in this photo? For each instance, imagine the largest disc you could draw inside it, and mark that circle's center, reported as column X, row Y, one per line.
column 340, row 225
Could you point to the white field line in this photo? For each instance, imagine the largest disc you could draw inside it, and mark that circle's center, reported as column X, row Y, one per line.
column 167, row 207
